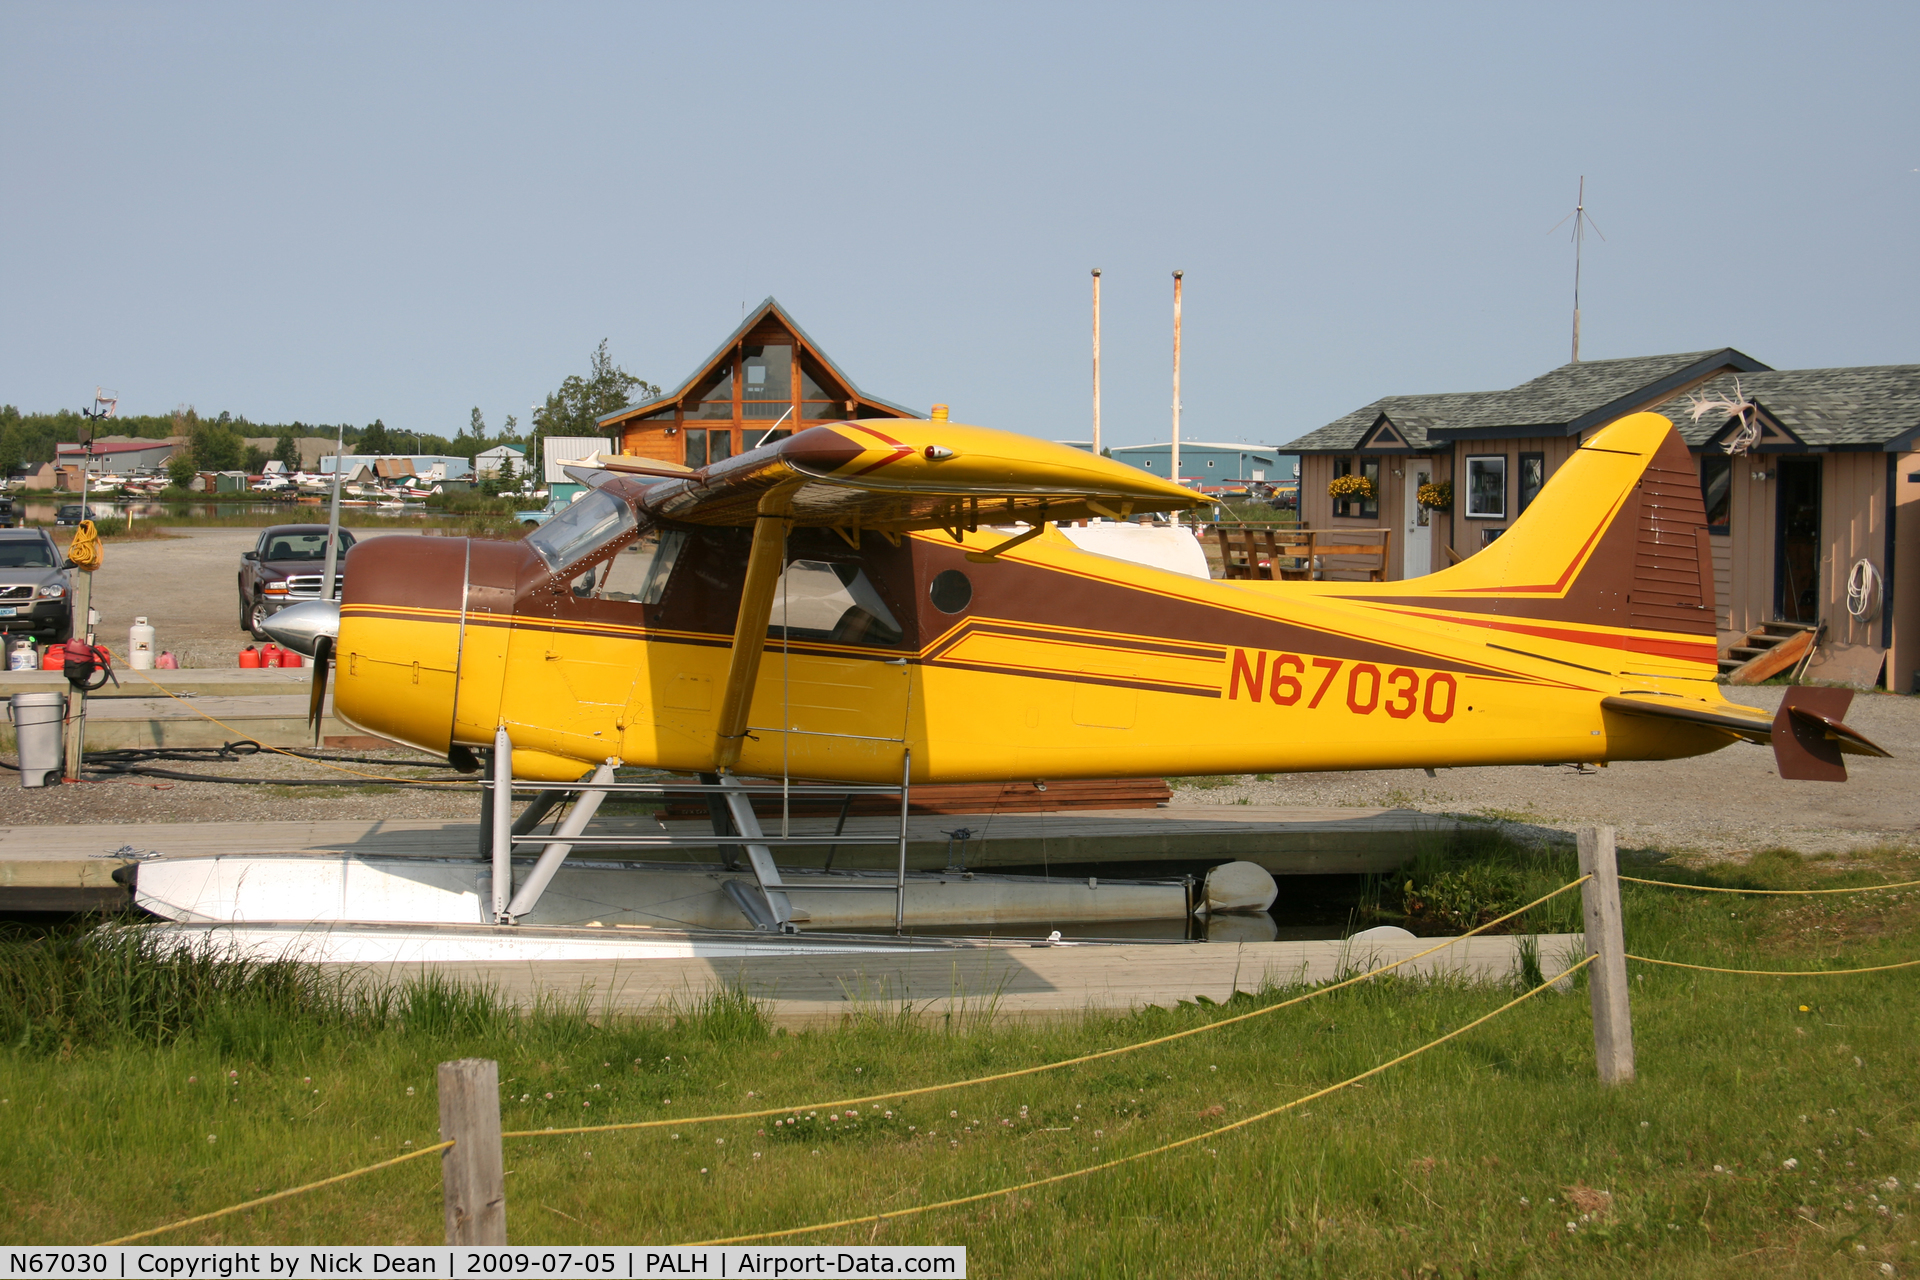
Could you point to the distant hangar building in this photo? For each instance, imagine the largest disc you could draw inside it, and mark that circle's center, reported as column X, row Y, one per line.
column 1205, row 463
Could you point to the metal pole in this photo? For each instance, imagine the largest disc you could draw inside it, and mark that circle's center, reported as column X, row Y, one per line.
column 333, row 520
column 900, row 879
column 1607, row 976
column 502, row 824
column 473, row 1180
column 1096, row 362
column 80, row 611
column 1175, row 468
column 1579, row 243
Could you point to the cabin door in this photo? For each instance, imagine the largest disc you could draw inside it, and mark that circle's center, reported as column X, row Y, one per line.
column 834, row 680
column 1417, row 547
column 1796, row 582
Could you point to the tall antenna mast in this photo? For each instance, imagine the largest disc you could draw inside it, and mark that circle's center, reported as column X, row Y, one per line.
column 1175, row 468
column 1096, row 362
column 1580, row 224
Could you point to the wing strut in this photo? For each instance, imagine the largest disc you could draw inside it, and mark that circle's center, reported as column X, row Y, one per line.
column 764, row 562
column 989, row 556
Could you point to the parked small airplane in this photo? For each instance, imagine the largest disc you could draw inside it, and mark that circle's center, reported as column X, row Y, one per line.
column 818, row 607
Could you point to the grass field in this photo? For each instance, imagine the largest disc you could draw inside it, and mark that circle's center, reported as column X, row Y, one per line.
column 1774, row 1129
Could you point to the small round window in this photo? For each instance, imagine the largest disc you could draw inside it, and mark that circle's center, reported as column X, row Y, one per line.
column 951, row 591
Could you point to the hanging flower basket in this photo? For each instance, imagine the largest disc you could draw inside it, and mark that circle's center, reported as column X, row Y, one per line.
column 1437, row 497
column 1349, row 487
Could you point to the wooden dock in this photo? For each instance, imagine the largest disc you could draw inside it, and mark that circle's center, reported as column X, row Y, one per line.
column 66, row 868
column 975, row 985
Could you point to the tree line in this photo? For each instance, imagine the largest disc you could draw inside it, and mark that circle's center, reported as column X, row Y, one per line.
column 220, row 443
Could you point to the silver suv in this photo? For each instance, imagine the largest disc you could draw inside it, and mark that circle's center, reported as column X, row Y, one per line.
column 36, row 589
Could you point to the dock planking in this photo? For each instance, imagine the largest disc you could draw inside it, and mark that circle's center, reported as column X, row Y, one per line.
column 992, row 983
column 75, row 858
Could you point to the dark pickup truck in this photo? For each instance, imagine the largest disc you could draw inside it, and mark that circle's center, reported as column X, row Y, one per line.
column 284, row 568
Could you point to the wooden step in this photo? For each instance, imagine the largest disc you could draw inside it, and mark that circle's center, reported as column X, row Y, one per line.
column 1781, row 657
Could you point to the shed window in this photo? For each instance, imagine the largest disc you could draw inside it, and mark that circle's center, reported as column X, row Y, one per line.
column 1533, row 475
column 1716, row 492
column 1358, row 508
column 1487, row 487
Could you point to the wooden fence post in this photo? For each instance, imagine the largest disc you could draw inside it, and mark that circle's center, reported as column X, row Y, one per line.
column 472, row 1171
column 1607, row 976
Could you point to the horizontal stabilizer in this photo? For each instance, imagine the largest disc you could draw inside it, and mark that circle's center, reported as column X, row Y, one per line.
column 1807, row 735
column 1809, row 739
column 1755, row 727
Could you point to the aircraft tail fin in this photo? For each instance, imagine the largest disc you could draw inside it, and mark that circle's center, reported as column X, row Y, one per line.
column 1617, row 539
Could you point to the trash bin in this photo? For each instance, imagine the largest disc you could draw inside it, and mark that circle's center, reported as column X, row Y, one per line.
column 37, row 731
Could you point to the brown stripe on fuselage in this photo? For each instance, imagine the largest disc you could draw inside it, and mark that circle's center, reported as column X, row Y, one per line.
column 1062, row 635
column 1653, row 645
column 1015, row 591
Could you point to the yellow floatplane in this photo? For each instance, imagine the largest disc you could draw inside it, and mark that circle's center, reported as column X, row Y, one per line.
column 881, row 602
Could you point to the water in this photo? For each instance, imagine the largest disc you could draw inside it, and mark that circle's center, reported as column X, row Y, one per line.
column 294, row 512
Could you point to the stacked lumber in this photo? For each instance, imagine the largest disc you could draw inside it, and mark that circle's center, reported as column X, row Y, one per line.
column 965, row 797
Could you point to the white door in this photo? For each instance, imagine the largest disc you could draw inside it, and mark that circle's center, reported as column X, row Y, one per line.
column 1417, row 545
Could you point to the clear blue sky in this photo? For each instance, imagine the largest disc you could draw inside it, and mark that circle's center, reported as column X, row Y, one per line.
column 337, row 212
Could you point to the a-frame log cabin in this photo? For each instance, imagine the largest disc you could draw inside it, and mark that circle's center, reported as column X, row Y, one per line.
column 766, row 381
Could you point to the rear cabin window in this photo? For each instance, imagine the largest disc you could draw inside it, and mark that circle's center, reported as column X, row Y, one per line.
column 831, row 601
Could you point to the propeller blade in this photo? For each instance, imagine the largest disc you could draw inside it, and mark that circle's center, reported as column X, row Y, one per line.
column 317, row 699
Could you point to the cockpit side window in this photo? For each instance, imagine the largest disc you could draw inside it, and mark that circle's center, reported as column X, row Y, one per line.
column 638, row 572
column 583, row 528
column 832, row 601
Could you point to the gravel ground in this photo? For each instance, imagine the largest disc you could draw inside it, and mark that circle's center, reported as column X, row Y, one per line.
column 356, row 796
column 184, row 584
column 1714, row 806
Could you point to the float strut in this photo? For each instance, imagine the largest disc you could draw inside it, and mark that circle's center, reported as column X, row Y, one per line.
column 556, row 853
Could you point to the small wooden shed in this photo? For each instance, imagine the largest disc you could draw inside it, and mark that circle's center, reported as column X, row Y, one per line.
column 1829, row 480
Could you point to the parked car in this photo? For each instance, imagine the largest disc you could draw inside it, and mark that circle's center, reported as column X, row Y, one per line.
column 285, row 567
column 36, row 591
column 70, row 514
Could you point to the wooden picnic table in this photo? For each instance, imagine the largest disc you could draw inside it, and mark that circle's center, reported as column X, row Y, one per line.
column 1306, row 547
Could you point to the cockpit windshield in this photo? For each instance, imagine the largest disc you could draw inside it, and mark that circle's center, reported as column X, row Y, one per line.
column 596, row 519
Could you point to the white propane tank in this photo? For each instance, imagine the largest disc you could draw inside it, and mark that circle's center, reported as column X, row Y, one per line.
column 140, row 641
column 23, row 656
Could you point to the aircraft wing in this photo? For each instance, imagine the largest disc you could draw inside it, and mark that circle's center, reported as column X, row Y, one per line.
column 894, row 475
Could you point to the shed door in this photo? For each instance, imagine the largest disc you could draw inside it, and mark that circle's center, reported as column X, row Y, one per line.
column 1796, row 579
column 1417, row 548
